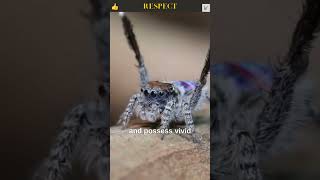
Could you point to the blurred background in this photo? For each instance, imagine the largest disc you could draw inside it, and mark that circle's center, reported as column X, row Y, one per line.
column 260, row 31
column 174, row 47
column 48, row 65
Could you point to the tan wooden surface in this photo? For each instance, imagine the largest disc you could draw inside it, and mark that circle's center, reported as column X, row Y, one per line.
column 139, row 156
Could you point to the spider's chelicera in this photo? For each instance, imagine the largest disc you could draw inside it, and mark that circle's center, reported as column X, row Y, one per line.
column 168, row 102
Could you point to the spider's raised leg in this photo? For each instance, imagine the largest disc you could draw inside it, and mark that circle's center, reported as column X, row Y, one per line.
column 246, row 161
column 202, row 81
column 128, row 113
column 96, row 153
column 134, row 46
column 93, row 146
column 61, row 154
column 167, row 116
column 274, row 113
column 189, row 121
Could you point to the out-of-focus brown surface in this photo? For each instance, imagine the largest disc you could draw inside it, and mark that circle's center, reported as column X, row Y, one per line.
column 174, row 47
column 138, row 156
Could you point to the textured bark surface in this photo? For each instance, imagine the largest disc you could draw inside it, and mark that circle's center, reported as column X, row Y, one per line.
column 139, row 156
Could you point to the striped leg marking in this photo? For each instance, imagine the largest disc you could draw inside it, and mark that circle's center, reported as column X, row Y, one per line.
column 189, row 122
column 247, row 157
column 128, row 113
column 166, row 116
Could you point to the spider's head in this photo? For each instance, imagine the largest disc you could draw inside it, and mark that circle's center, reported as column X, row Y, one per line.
column 156, row 90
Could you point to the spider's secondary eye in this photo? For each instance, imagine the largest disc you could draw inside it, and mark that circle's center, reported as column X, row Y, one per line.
column 153, row 94
column 161, row 93
column 145, row 92
column 141, row 89
column 171, row 88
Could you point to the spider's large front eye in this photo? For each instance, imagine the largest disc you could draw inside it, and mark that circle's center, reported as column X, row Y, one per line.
column 153, row 94
column 145, row 92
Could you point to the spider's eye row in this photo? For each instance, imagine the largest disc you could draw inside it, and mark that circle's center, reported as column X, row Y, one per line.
column 145, row 92
column 153, row 94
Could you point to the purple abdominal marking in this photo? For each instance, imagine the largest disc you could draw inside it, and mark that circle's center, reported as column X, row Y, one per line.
column 185, row 86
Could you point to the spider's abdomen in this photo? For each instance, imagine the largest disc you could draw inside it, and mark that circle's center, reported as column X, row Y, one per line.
column 184, row 87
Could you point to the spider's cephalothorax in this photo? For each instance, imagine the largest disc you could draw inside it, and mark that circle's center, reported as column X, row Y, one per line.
column 152, row 99
column 164, row 101
column 155, row 96
column 248, row 128
column 157, row 93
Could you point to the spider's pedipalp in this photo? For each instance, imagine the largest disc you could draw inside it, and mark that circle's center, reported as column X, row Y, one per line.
column 128, row 29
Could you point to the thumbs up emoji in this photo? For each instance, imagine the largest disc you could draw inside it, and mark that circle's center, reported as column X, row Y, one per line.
column 115, row 7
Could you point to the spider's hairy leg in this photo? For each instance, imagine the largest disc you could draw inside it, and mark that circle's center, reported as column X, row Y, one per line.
column 246, row 157
column 202, row 81
column 93, row 146
column 204, row 97
column 128, row 29
column 128, row 113
column 167, row 116
column 276, row 109
column 98, row 17
column 61, row 154
column 96, row 152
column 189, row 121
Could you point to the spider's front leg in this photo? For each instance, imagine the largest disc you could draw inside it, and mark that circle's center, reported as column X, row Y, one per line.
column 96, row 155
column 189, row 121
column 61, row 154
column 166, row 116
column 95, row 151
column 246, row 158
column 128, row 113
